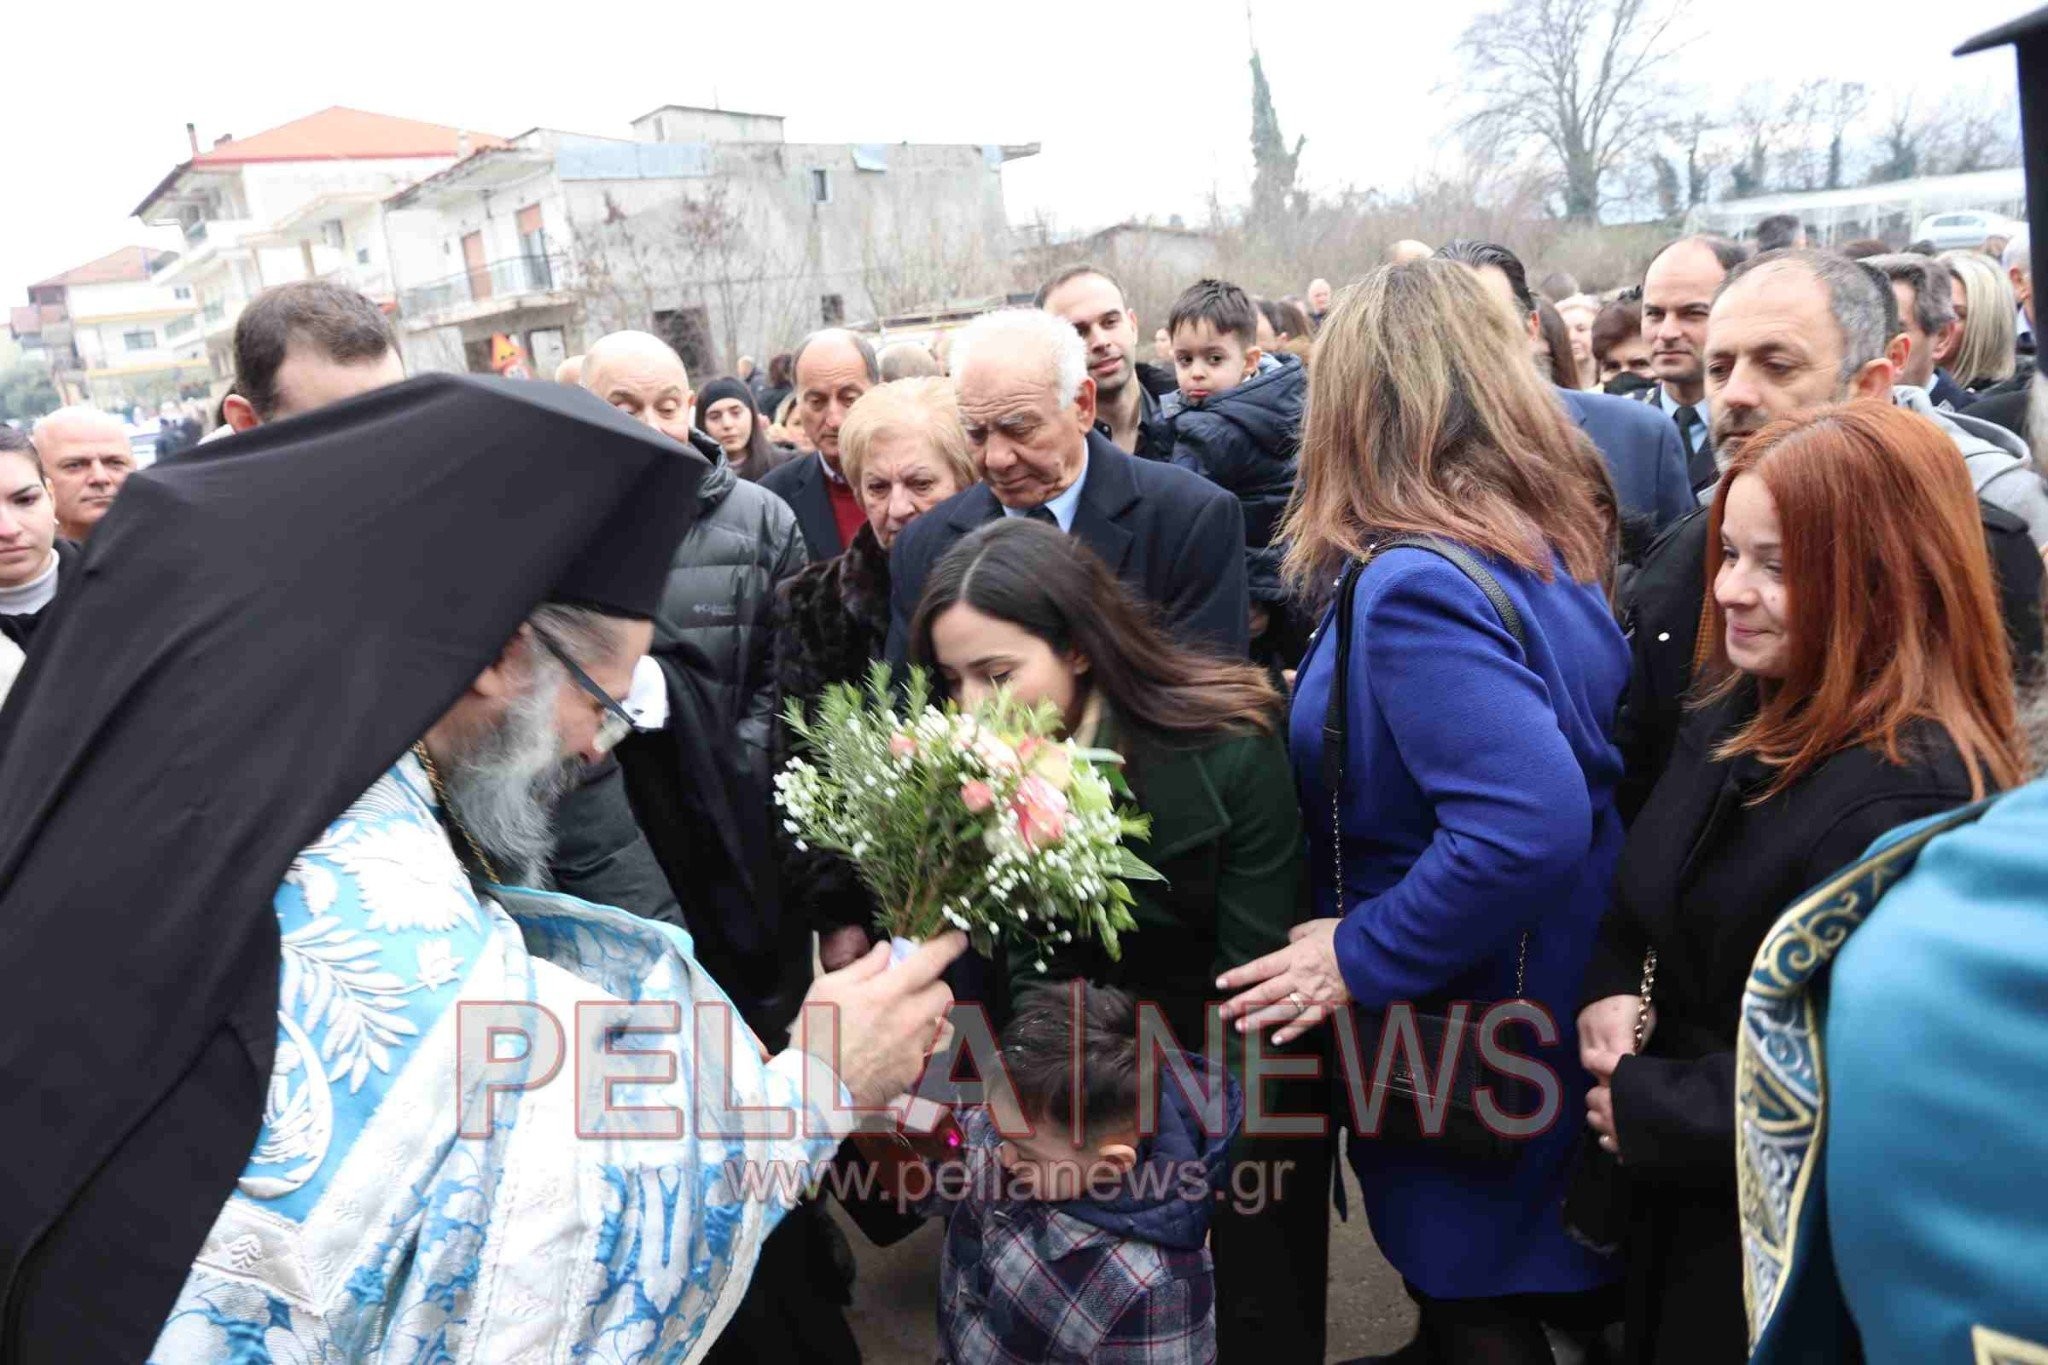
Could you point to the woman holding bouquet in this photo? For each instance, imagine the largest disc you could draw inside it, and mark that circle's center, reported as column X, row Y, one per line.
column 1016, row 605
column 1465, row 848
column 904, row 451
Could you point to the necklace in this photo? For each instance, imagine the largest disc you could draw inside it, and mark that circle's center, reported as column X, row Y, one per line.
column 419, row 751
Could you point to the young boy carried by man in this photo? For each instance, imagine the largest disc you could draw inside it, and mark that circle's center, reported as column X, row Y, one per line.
column 1236, row 421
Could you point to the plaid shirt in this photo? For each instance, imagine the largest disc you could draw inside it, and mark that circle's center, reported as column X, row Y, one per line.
column 1022, row 1283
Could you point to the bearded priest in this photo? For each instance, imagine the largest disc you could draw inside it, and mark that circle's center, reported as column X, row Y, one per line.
column 297, row 1059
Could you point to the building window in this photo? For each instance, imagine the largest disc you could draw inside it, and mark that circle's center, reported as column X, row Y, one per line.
column 689, row 331
column 182, row 293
column 821, row 185
column 362, row 255
column 141, row 339
column 832, row 307
column 533, row 240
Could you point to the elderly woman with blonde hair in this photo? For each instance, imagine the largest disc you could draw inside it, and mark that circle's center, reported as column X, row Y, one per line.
column 903, row 451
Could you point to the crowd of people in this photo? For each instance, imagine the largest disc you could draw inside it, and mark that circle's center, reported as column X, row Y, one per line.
column 1463, row 642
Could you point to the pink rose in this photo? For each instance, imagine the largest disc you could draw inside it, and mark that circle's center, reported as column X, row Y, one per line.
column 976, row 796
column 902, row 746
column 1041, row 811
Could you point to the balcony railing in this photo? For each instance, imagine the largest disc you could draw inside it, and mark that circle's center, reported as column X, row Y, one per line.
column 508, row 278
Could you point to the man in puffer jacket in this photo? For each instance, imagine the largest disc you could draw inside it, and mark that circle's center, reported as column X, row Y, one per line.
column 1236, row 421
column 701, row 785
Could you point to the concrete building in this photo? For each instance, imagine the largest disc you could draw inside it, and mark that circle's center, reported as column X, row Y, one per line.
column 303, row 200
column 112, row 333
column 706, row 226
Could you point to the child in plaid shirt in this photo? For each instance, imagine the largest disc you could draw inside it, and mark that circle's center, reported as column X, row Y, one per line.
column 1066, row 1251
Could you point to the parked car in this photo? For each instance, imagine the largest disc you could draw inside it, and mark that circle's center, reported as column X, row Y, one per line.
column 1963, row 228
column 142, row 442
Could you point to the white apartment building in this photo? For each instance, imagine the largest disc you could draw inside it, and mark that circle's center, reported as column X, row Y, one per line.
column 303, row 200
column 112, row 333
column 706, row 226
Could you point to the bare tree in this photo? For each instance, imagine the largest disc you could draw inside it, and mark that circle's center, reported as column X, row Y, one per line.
column 1843, row 106
column 1900, row 142
column 911, row 258
column 707, row 248
column 1576, row 79
column 1973, row 131
column 1760, row 126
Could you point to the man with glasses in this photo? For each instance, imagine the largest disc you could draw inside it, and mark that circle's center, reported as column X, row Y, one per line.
column 255, row 1074
column 303, row 347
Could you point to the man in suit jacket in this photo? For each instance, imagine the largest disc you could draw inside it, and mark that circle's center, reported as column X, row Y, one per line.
column 1028, row 404
column 1643, row 453
column 833, row 368
column 1643, row 456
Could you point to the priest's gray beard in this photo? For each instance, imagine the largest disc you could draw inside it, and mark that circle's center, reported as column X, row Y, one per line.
column 504, row 789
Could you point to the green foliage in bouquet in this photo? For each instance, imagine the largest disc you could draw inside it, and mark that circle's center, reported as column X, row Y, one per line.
column 981, row 820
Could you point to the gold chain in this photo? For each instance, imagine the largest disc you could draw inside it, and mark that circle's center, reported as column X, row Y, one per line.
column 476, row 851
column 1649, row 986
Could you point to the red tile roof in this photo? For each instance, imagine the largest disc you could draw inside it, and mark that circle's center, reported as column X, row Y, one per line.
column 339, row 133
column 128, row 263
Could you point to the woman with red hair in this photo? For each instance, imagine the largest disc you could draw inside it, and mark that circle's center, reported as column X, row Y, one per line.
column 1854, row 677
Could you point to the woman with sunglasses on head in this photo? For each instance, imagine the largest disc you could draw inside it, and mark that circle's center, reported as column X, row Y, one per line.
column 1855, row 678
column 1019, row 606
column 1452, row 741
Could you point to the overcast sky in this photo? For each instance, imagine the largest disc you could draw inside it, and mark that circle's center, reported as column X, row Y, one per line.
column 1141, row 109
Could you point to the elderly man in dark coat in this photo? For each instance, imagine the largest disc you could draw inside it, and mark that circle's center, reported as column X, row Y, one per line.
column 1029, row 408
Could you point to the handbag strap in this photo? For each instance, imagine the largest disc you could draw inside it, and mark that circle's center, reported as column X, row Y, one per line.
column 1335, row 725
column 1649, row 986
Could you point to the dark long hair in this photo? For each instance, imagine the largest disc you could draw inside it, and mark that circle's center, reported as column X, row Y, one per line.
column 1049, row 584
column 762, row 455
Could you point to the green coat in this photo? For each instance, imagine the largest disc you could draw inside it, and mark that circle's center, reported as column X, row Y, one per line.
column 1226, row 835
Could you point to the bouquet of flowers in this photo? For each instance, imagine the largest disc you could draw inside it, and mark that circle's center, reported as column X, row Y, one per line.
column 979, row 820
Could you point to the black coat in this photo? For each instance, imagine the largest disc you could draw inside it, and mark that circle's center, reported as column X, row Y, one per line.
column 701, row 788
column 600, row 854
column 1702, row 879
column 831, row 623
column 1663, row 602
column 21, row 629
column 1174, row 538
column 800, row 482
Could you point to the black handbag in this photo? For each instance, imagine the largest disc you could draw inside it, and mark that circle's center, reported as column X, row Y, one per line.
column 1463, row 1134
column 1597, row 1201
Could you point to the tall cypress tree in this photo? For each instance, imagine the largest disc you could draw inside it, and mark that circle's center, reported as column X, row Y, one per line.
column 1273, row 165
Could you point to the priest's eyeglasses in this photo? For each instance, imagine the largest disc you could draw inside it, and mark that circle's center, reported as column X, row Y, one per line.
column 615, row 724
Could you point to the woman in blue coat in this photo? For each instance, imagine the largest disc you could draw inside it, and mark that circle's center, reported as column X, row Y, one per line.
column 1474, row 824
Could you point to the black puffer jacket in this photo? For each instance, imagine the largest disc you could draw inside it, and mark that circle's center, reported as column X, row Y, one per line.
column 700, row 788
column 1248, row 439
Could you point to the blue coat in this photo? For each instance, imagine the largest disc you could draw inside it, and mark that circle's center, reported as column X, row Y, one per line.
column 1479, row 803
column 1644, row 457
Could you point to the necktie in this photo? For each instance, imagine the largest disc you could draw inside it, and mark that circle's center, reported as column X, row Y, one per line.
column 1044, row 514
column 1699, row 456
